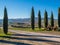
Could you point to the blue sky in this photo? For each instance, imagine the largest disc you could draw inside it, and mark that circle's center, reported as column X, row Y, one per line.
column 22, row 8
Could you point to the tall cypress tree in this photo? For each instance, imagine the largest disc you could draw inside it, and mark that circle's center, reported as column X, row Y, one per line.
column 52, row 20
column 45, row 19
column 5, row 21
column 32, row 18
column 59, row 17
column 39, row 19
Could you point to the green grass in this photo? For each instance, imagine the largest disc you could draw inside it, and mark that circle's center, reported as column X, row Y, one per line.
column 28, row 29
column 2, row 33
column 42, row 30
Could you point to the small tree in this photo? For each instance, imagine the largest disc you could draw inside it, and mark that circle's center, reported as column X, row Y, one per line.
column 32, row 18
column 39, row 19
column 5, row 21
column 59, row 17
column 52, row 20
column 45, row 19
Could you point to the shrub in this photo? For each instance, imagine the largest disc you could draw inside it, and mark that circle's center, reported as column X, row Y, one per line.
column 49, row 28
column 55, row 28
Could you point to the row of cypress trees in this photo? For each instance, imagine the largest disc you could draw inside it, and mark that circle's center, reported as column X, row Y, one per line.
column 45, row 19
column 5, row 19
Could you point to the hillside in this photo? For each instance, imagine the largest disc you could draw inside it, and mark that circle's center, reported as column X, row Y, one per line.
column 25, row 20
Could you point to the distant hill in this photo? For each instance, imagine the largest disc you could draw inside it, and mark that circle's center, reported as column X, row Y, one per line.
column 21, row 20
column 24, row 20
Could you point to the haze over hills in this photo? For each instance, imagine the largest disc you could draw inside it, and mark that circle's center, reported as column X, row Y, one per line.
column 21, row 20
column 24, row 20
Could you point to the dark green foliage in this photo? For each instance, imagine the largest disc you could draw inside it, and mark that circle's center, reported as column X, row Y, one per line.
column 52, row 20
column 5, row 21
column 59, row 17
column 45, row 19
column 39, row 19
column 32, row 18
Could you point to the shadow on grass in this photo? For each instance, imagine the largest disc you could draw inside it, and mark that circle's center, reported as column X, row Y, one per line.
column 10, row 42
column 31, row 39
column 8, row 34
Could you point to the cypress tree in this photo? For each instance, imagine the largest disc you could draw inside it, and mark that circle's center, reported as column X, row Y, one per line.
column 39, row 19
column 45, row 19
column 32, row 18
column 5, row 21
column 52, row 20
column 59, row 17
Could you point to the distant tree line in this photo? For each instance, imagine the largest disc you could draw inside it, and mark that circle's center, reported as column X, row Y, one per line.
column 5, row 19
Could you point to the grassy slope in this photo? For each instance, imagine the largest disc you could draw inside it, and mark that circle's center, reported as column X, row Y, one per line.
column 2, row 33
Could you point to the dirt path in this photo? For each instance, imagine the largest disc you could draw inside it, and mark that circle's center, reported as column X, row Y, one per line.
column 30, row 38
column 38, row 37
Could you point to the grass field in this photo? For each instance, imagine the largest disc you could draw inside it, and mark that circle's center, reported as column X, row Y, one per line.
column 2, row 33
column 37, row 30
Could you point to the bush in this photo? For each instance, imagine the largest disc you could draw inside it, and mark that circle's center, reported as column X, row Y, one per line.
column 58, row 29
column 49, row 28
column 55, row 28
